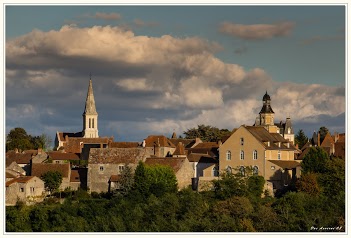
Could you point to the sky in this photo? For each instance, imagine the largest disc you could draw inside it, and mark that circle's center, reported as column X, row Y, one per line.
column 164, row 69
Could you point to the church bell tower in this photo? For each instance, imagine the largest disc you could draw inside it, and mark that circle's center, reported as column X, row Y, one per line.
column 90, row 116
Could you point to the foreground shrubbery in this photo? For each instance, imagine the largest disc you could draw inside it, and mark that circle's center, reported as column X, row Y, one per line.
column 233, row 206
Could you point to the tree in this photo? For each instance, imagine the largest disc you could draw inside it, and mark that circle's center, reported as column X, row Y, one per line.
column 156, row 179
column 314, row 161
column 43, row 141
column 308, row 183
column 206, row 133
column 323, row 131
column 52, row 180
column 126, row 181
column 18, row 139
column 300, row 138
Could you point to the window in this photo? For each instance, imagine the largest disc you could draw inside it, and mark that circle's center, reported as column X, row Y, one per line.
column 229, row 169
column 21, row 190
column 215, row 171
column 89, row 122
column 101, row 168
column 241, row 141
column 57, row 161
column 241, row 155
column 255, row 154
column 242, row 170
column 120, row 168
column 93, row 123
column 255, row 170
column 32, row 189
column 279, row 154
column 229, row 155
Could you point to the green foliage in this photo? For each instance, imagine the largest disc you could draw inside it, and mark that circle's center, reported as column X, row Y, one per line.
column 156, row 179
column 300, row 138
column 255, row 185
column 308, row 183
column 206, row 133
column 18, row 139
column 126, row 180
column 52, row 180
column 333, row 179
column 315, row 161
column 235, row 205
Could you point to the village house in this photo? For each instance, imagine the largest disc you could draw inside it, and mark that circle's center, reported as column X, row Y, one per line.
column 39, row 169
column 28, row 189
column 180, row 165
column 106, row 162
column 158, row 146
column 263, row 149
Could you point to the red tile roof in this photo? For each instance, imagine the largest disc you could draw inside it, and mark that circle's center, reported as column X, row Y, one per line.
column 19, row 158
column 207, row 145
column 58, row 155
column 22, row 179
column 180, row 150
column 328, row 141
column 262, row 135
column 201, row 158
column 163, row 141
column 186, row 142
column 174, row 163
column 73, row 145
column 40, row 169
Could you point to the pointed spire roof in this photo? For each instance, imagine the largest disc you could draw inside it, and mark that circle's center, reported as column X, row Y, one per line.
column 90, row 101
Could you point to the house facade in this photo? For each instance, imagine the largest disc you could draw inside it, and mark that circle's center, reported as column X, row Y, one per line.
column 27, row 189
column 268, row 154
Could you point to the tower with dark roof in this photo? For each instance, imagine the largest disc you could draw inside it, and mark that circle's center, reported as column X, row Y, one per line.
column 266, row 113
column 90, row 116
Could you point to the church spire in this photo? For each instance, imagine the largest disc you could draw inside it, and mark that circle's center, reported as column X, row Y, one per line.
column 90, row 116
column 90, row 101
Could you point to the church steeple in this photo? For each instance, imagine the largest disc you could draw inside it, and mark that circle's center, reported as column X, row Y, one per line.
column 90, row 121
column 90, row 101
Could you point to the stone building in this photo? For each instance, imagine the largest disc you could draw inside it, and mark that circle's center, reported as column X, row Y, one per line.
column 106, row 162
column 27, row 189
